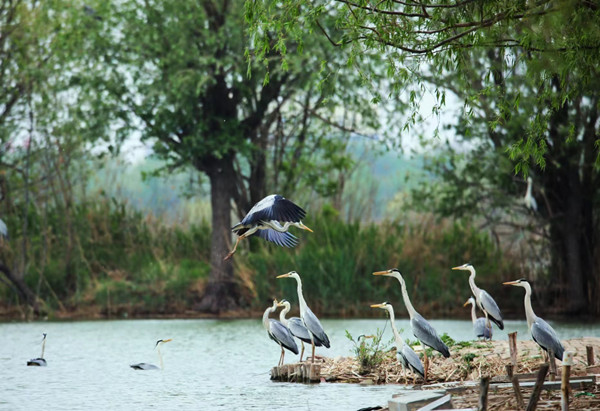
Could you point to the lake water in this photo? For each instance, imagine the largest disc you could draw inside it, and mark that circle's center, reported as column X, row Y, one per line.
column 210, row 364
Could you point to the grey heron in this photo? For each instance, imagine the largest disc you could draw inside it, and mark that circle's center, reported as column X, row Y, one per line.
column 270, row 219
column 408, row 358
column 310, row 320
column 541, row 332
column 483, row 298
column 421, row 328
column 296, row 326
column 39, row 362
column 480, row 326
column 529, row 199
column 279, row 332
column 145, row 366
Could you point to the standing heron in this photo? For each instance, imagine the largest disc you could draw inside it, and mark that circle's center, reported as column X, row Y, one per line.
column 311, row 322
column 270, row 219
column 529, row 199
column 279, row 333
column 421, row 328
column 296, row 326
column 480, row 325
column 408, row 358
column 39, row 362
column 484, row 300
column 145, row 366
column 541, row 332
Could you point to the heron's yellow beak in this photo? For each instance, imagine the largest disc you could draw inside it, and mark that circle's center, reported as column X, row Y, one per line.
column 460, row 267
column 302, row 226
column 280, row 304
column 170, row 339
column 283, row 275
column 467, row 303
column 511, row 283
column 377, row 306
column 381, row 272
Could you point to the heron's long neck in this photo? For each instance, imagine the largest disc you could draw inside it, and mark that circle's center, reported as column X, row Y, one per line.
column 528, row 309
column 397, row 337
column 473, row 314
column 43, row 347
column 281, row 228
column 283, row 313
column 474, row 287
column 266, row 317
column 407, row 303
column 301, row 301
column 160, row 360
column 529, row 186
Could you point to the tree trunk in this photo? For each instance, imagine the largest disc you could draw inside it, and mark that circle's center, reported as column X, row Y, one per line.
column 222, row 292
column 22, row 289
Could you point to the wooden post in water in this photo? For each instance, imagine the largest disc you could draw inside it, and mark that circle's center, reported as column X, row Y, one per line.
column 484, row 384
column 567, row 362
column 515, row 383
column 537, row 389
column 552, row 361
column 590, row 355
column 512, row 345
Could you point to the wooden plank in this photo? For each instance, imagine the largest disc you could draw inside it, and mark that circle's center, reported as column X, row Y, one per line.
column 445, row 401
column 578, row 383
column 483, row 393
column 537, row 389
column 515, row 383
column 512, row 345
column 590, row 355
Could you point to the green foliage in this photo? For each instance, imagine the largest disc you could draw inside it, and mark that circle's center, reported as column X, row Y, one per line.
column 369, row 351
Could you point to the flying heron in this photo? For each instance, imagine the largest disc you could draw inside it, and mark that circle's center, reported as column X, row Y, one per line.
column 311, row 322
column 145, row 366
column 270, row 219
column 408, row 358
column 421, row 328
column 541, row 332
column 296, row 326
column 480, row 325
column 484, row 300
column 279, row 332
column 39, row 362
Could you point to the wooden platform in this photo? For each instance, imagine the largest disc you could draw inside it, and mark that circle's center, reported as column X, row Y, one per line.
column 304, row 372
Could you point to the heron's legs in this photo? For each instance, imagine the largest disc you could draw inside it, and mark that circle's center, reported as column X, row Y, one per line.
column 426, row 365
column 302, row 352
column 228, row 256
column 281, row 357
column 312, row 359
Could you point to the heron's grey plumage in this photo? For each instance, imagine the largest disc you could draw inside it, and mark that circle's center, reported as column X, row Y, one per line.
column 427, row 334
column 282, row 335
column 299, row 331
column 411, row 360
column 274, row 207
column 312, row 323
column 543, row 334
column 489, row 305
column 481, row 329
column 284, row 239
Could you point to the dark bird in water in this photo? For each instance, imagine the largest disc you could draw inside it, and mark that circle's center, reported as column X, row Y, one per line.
column 39, row 362
column 270, row 219
column 145, row 366
column 541, row 332
column 484, row 300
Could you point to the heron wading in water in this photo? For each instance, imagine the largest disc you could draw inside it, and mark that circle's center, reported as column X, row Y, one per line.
column 145, row 366
column 481, row 327
column 279, row 332
column 296, row 327
column 483, row 298
column 421, row 328
column 541, row 332
column 270, row 219
column 408, row 358
column 39, row 362
column 309, row 319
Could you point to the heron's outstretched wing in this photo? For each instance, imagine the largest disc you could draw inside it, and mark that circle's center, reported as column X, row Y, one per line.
column 282, row 335
column 546, row 337
column 489, row 305
column 411, row 360
column 144, row 366
column 298, row 330
column 312, row 323
column 284, row 239
column 274, row 207
column 427, row 334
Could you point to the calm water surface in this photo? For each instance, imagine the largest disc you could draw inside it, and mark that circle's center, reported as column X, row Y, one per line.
column 210, row 364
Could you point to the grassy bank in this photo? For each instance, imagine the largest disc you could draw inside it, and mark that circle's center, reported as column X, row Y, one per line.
column 106, row 259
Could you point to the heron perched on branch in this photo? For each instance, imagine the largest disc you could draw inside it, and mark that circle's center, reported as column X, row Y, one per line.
column 309, row 319
column 145, row 366
column 541, row 332
column 421, row 328
column 296, row 326
column 39, row 362
column 480, row 325
column 483, row 298
column 408, row 358
column 529, row 199
column 279, row 332
column 270, row 219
